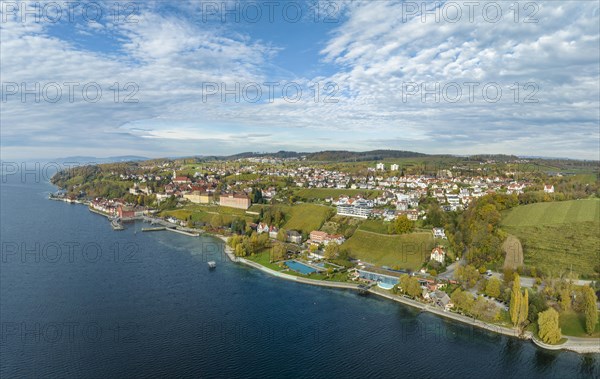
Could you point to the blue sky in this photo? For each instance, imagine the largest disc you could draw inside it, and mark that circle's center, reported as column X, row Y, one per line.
column 447, row 78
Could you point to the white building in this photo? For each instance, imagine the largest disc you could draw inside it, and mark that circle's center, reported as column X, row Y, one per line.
column 380, row 166
column 395, row 167
column 438, row 255
column 548, row 188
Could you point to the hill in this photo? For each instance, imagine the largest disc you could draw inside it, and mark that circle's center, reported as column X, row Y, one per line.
column 374, row 155
column 407, row 251
column 558, row 237
column 553, row 213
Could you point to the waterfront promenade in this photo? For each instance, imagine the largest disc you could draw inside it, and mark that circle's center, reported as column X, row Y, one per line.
column 578, row 345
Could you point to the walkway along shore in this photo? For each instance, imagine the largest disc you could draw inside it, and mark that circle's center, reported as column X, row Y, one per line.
column 578, row 345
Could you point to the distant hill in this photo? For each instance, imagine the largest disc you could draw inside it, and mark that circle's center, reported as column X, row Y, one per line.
column 85, row 159
column 373, row 155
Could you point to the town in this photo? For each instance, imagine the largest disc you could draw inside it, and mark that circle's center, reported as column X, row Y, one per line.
column 449, row 232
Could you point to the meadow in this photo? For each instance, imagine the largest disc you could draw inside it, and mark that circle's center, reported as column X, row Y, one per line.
column 407, row 251
column 558, row 237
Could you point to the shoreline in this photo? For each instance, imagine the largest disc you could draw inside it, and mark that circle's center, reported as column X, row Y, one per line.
column 575, row 344
column 582, row 346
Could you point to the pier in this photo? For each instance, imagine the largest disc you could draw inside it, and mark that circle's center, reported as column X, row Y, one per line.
column 156, row 229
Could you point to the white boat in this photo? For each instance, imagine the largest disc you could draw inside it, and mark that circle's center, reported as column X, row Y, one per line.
column 212, row 264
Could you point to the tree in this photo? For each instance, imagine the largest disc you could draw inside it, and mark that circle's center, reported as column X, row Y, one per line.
column 590, row 309
column 462, row 300
column 331, row 250
column 282, row 235
column 278, row 252
column 515, row 300
column 565, row 299
column 524, row 308
column 492, row 288
column 216, row 221
column 467, row 275
column 403, row 225
column 410, row 285
column 549, row 329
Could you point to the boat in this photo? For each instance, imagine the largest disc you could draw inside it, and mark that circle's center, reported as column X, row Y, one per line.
column 212, row 264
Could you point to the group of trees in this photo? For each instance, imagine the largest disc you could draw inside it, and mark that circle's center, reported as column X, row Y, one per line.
column 409, row 285
column 477, row 307
column 243, row 245
column 467, row 275
column 273, row 216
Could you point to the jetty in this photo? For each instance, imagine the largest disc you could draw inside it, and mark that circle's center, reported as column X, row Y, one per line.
column 116, row 225
column 191, row 234
column 155, row 229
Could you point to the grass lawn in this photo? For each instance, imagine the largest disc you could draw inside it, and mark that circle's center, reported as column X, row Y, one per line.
column 263, row 258
column 204, row 213
column 406, row 251
column 558, row 236
column 375, row 226
column 573, row 324
column 307, row 217
column 323, row 193
column 560, row 212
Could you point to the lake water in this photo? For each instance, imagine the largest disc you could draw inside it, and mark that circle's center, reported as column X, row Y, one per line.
column 81, row 300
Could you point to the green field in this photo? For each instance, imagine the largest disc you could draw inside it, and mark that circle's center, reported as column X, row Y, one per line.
column 205, row 213
column 375, row 226
column 553, row 213
column 558, row 237
column 405, row 251
column 573, row 324
column 324, row 193
column 307, row 217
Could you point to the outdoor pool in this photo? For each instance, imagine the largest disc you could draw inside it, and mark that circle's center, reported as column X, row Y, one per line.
column 299, row 267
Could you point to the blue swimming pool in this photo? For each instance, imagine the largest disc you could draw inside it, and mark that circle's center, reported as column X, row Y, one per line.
column 300, row 267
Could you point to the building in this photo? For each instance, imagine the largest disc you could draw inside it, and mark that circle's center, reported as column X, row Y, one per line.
column 198, row 197
column 318, row 237
column 358, row 208
column 125, row 211
column 182, row 180
column 548, row 188
column 294, row 237
column 234, row 201
column 395, row 167
column 439, row 233
column 380, row 166
column 438, row 255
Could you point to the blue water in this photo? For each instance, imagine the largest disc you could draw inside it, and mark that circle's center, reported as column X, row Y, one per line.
column 125, row 304
column 300, row 267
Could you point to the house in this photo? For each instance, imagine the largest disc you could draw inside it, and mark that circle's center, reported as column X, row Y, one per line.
column 395, row 167
column 438, row 255
column 442, row 299
column 262, row 228
column 380, row 166
column 273, row 230
column 294, row 237
column 439, row 233
column 548, row 188
column 234, row 201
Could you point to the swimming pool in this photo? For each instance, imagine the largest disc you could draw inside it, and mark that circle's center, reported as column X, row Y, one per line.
column 299, row 267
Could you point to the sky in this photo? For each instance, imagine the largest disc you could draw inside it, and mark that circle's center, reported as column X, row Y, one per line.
column 182, row 78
